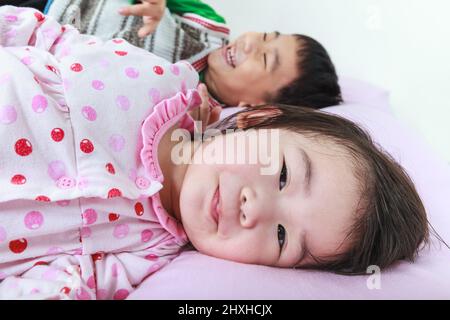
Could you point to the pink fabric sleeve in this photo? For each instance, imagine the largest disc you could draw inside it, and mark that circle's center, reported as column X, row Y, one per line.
column 29, row 27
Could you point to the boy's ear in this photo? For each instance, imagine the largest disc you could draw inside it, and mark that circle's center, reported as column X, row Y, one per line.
column 254, row 117
column 246, row 104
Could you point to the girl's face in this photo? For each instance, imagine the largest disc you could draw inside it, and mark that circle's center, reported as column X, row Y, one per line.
column 308, row 203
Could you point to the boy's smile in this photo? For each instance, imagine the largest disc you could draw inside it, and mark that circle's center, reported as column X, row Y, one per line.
column 252, row 68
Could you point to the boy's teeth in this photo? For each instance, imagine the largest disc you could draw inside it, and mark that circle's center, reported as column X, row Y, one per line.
column 230, row 58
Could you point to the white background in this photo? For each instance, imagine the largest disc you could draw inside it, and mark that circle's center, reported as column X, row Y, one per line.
column 400, row 45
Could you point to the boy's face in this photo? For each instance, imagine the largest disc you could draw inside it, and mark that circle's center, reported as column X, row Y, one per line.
column 251, row 67
column 234, row 212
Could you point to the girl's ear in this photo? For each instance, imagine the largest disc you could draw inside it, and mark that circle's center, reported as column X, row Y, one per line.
column 251, row 118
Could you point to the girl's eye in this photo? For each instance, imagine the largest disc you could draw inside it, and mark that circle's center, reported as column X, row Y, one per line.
column 283, row 176
column 281, row 235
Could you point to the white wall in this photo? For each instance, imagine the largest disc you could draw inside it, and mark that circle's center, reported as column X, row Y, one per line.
column 401, row 45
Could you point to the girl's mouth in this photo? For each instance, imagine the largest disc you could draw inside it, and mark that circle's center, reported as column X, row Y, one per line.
column 215, row 206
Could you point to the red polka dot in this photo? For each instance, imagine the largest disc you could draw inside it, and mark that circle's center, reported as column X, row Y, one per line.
column 110, row 168
column 40, row 263
column 18, row 246
column 117, row 40
column 36, row 79
column 57, row 134
column 139, row 209
column 18, row 179
column 97, row 256
column 113, row 216
column 23, row 147
column 42, row 198
column 39, row 16
column 114, row 192
column 121, row 294
column 51, row 68
column 63, row 29
column 158, row 70
column 121, row 53
column 65, row 290
column 86, row 146
column 76, row 67
column 151, row 257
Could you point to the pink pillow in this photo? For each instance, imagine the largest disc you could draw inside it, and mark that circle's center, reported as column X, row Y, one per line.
column 195, row 276
column 356, row 91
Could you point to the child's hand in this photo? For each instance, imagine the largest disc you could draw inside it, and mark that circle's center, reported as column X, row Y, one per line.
column 205, row 113
column 151, row 12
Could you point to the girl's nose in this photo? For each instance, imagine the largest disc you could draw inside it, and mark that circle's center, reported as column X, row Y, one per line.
column 251, row 208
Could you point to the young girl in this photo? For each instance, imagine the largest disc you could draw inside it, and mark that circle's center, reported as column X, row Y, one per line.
column 98, row 191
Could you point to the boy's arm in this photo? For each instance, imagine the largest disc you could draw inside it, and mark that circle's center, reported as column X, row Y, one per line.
column 181, row 7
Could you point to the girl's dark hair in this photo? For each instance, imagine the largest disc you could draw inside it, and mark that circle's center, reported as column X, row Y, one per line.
column 391, row 223
column 317, row 84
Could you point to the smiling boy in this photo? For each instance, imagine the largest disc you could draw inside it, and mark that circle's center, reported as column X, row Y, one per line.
column 253, row 69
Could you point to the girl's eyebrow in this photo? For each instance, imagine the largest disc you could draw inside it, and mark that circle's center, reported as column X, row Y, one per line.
column 308, row 170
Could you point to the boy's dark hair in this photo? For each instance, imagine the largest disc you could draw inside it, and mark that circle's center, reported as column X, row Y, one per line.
column 391, row 222
column 317, row 84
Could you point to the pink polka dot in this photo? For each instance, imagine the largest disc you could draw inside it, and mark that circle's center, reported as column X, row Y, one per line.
column 98, row 85
column 175, row 69
column 114, row 270
column 11, row 34
column 34, row 220
column 123, row 102
column 2, row 275
column 89, row 113
column 89, row 216
column 121, row 294
column 91, row 282
column 39, row 103
column 121, row 231
column 50, row 274
column 146, row 235
column 27, row 60
column 85, row 232
column 117, row 142
column 8, row 114
column 11, row 18
column 2, row 234
column 131, row 73
column 35, row 290
column 56, row 169
column 102, row 294
column 154, row 95
column 82, row 294
column 155, row 267
column 63, row 203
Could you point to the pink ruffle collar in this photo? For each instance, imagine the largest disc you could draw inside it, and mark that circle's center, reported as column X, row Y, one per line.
column 164, row 116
